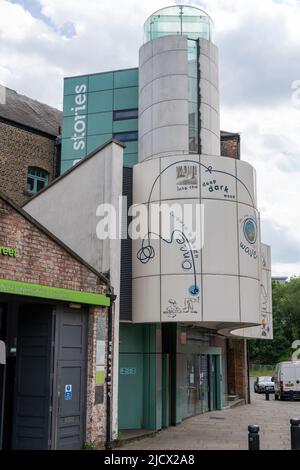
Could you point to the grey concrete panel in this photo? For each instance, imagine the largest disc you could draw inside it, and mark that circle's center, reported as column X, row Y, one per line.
column 209, row 94
column 210, row 119
column 170, row 113
column 146, row 121
column 210, row 143
column 172, row 138
column 209, row 70
column 145, row 146
column 145, row 52
column 209, row 49
column 170, row 63
column 169, row 43
column 145, row 98
column 145, row 74
column 170, row 87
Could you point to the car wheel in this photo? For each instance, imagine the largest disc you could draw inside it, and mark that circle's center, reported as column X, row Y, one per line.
column 276, row 396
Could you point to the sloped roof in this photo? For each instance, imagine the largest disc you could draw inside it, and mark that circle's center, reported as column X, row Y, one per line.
column 50, row 235
column 229, row 134
column 30, row 113
column 73, row 168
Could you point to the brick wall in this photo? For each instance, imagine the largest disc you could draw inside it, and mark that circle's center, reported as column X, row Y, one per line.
column 20, row 149
column 96, row 413
column 40, row 259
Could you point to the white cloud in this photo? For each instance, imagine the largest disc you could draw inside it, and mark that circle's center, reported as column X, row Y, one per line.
column 259, row 44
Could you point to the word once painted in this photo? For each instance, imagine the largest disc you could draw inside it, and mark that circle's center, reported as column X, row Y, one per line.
column 79, row 117
column 12, row 252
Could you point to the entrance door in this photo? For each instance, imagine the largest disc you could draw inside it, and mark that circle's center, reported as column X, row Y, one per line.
column 131, row 391
column 71, row 360
column 32, row 388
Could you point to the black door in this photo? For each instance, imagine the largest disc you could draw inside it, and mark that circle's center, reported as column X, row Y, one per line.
column 31, row 425
column 71, row 359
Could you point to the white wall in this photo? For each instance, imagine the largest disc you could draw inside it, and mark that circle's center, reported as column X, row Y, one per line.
column 68, row 209
column 227, row 269
column 164, row 97
column 265, row 329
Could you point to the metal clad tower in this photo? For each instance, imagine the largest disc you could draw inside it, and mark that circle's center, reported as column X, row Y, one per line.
column 179, row 85
column 219, row 283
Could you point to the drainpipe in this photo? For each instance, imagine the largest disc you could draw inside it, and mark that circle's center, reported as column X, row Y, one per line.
column 248, row 371
column 2, row 392
column 112, row 296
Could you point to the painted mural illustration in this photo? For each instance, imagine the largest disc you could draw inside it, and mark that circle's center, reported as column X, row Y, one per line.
column 186, row 177
column 189, row 306
column 187, row 302
column 265, row 327
column 249, row 230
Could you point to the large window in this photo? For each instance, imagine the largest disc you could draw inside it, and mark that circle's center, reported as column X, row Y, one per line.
column 126, row 136
column 194, row 131
column 126, row 114
column 37, row 179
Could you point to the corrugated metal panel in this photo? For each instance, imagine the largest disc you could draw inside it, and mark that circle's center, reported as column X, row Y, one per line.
column 126, row 254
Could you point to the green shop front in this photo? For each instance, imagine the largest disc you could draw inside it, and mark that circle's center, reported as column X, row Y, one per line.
column 168, row 373
column 46, row 305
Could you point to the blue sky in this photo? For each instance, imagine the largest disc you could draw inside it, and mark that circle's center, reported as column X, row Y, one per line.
column 34, row 7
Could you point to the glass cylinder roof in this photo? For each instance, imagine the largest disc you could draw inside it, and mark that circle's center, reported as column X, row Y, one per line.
column 179, row 19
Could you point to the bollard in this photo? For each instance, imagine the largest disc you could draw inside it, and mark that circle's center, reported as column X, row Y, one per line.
column 267, row 395
column 295, row 433
column 253, row 437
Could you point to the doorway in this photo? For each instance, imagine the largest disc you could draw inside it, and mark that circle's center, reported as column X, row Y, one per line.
column 45, row 376
column 215, row 392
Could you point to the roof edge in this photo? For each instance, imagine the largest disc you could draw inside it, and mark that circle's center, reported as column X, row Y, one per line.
column 50, row 235
column 81, row 162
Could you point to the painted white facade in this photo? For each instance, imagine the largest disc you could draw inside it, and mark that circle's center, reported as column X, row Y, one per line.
column 265, row 328
column 68, row 209
column 227, row 270
column 164, row 97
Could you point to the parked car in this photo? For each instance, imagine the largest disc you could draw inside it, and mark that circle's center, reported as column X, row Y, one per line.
column 287, row 380
column 264, row 384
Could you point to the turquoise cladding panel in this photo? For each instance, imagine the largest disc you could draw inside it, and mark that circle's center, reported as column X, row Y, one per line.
column 139, row 377
column 89, row 102
column 101, row 81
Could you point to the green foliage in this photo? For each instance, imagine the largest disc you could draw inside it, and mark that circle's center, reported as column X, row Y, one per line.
column 286, row 325
column 89, row 446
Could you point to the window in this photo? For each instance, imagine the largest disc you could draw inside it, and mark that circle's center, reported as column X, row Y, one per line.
column 37, row 179
column 126, row 136
column 126, row 114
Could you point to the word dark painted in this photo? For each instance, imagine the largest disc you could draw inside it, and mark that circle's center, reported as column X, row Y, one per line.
column 213, row 186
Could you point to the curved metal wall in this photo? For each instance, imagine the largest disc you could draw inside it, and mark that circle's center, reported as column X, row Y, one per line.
column 226, row 270
column 164, row 98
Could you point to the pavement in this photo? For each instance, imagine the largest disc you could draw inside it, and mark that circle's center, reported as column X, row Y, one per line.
column 228, row 429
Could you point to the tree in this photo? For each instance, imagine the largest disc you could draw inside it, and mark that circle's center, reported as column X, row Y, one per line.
column 286, row 325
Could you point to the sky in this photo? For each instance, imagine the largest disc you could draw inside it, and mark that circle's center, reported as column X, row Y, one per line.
column 43, row 41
